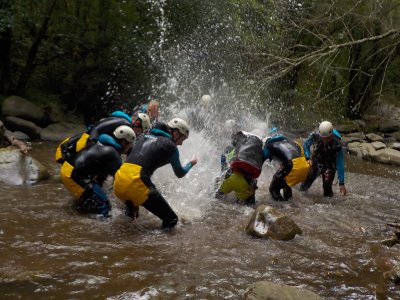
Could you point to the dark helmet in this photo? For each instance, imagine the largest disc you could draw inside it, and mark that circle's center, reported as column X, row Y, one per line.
column 161, row 126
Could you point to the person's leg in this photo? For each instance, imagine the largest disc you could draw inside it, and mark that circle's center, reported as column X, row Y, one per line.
column 276, row 185
column 278, row 182
column 158, row 206
column 328, row 175
column 92, row 204
column 312, row 175
column 287, row 192
column 131, row 210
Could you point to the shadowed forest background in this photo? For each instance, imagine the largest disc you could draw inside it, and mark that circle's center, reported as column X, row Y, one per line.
column 299, row 59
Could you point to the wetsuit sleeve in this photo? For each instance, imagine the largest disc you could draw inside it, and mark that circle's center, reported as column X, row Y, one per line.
column 340, row 166
column 175, row 162
column 307, row 146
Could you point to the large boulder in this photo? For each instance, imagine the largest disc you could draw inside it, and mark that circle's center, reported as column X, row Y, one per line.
column 265, row 290
column 15, row 106
column 27, row 127
column 267, row 222
column 18, row 169
column 59, row 131
column 389, row 126
column 387, row 156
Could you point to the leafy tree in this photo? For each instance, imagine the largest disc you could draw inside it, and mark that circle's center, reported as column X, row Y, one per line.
column 340, row 50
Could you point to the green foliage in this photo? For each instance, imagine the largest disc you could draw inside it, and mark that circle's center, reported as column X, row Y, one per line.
column 105, row 54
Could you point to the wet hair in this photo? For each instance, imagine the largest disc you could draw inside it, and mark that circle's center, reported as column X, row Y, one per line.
column 161, row 126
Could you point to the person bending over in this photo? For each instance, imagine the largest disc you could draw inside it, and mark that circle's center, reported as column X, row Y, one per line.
column 133, row 184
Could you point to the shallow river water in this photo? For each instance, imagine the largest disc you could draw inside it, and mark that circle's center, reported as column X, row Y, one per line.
column 50, row 252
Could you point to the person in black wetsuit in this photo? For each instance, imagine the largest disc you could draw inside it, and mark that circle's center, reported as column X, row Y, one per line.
column 293, row 165
column 84, row 173
column 67, row 148
column 151, row 151
column 326, row 158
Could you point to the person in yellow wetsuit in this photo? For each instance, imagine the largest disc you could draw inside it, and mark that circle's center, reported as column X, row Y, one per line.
column 241, row 164
column 132, row 183
column 84, row 173
column 293, row 165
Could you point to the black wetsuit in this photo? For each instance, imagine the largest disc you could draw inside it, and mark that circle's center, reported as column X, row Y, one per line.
column 326, row 159
column 107, row 126
column 150, row 152
column 91, row 167
column 281, row 149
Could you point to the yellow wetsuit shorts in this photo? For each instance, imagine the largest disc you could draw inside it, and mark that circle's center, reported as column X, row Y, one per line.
column 238, row 184
column 128, row 184
column 299, row 171
column 70, row 184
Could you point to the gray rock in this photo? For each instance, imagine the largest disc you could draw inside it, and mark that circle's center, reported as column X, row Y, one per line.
column 358, row 135
column 389, row 126
column 59, row 131
column 27, row 127
column 395, row 146
column 372, row 137
column 18, row 169
column 265, row 290
column 15, row 106
column 378, row 145
column 387, row 156
column 267, row 222
column 395, row 135
column 393, row 275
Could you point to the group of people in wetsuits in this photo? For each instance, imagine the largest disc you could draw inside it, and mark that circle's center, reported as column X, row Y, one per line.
column 88, row 158
column 242, row 161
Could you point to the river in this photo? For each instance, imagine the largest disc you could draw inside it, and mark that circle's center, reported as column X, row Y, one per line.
column 50, row 252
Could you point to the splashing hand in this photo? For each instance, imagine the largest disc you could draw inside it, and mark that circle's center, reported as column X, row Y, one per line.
column 193, row 161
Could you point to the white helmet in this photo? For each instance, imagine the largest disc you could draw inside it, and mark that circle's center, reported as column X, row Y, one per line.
column 206, row 99
column 181, row 125
column 229, row 124
column 325, row 129
column 125, row 132
column 145, row 121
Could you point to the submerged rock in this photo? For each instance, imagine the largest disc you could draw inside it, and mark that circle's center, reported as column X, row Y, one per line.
column 265, row 290
column 18, row 169
column 393, row 275
column 267, row 222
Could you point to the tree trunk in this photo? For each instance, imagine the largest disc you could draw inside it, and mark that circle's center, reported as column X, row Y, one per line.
column 30, row 61
column 5, row 51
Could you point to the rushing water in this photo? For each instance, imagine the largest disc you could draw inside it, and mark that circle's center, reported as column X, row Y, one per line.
column 50, row 252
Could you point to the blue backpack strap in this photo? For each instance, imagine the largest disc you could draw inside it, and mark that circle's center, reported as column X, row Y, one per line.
column 337, row 134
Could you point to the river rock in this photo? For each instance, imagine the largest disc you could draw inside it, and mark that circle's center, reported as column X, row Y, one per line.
column 15, row 106
column 387, row 156
column 378, row 145
column 395, row 146
column 372, row 137
column 393, row 275
column 27, row 127
column 395, row 135
column 59, row 131
column 18, row 169
column 389, row 126
column 267, row 222
column 265, row 290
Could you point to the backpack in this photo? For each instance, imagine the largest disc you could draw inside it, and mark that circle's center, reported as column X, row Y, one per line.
column 248, row 156
column 70, row 146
